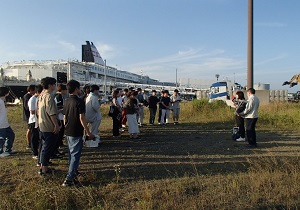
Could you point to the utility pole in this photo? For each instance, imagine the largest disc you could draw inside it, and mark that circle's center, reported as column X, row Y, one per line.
column 105, row 78
column 250, row 45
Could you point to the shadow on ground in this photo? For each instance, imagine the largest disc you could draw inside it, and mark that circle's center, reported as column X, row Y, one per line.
column 186, row 149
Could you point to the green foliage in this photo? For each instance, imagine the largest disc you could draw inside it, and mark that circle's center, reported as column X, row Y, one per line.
column 204, row 105
column 283, row 116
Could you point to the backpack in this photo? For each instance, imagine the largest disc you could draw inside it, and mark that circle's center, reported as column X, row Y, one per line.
column 235, row 133
column 111, row 111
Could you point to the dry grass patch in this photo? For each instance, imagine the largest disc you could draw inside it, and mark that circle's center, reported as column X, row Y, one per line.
column 194, row 165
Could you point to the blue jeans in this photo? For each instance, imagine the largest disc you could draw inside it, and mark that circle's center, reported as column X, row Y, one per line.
column 75, row 145
column 7, row 138
column 49, row 140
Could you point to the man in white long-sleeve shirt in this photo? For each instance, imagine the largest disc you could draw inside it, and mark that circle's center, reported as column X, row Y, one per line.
column 251, row 115
column 93, row 115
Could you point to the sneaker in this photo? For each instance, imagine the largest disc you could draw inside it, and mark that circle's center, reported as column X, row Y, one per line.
column 28, row 147
column 121, row 130
column 123, row 126
column 4, row 154
column 12, row 152
column 48, row 172
column 68, row 183
column 35, row 157
column 240, row 139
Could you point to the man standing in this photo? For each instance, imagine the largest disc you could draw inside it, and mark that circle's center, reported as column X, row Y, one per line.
column 175, row 101
column 7, row 135
column 124, row 110
column 165, row 108
column 26, row 112
column 32, row 122
column 59, row 99
column 75, row 124
column 152, row 101
column 48, row 122
column 93, row 115
column 251, row 115
column 140, row 98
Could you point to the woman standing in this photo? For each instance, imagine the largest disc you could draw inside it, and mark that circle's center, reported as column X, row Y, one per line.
column 117, row 113
column 132, row 110
column 240, row 104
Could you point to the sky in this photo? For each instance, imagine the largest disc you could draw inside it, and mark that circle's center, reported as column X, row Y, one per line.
column 199, row 38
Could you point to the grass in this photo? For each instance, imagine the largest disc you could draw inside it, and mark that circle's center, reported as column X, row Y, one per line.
column 194, row 165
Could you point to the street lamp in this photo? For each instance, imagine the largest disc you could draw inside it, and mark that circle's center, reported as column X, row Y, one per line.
column 217, row 76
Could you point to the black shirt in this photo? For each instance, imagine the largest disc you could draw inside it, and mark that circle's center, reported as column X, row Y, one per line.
column 131, row 105
column 73, row 107
column 153, row 100
column 59, row 100
column 166, row 101
column 26, row 112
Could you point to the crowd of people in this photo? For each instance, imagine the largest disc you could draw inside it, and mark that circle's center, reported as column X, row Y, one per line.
column 74, row 114
column 57, row 111
column 129, row 105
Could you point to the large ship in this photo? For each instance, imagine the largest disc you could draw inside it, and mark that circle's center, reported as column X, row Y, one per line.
column 92, row 69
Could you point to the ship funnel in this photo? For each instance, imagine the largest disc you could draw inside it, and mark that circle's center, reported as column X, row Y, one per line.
column 91, row 54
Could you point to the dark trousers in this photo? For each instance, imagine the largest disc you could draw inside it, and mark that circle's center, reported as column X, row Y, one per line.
column 250, row 130
column 240, row 123
column 60, row 138
column 61, row 134
column 152, row 114
column 49, row 140
column 116, row 126
column 34, row 139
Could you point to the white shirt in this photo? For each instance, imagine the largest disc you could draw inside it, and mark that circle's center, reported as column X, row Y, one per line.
column 32, row 107
column 3, row 115
column 120, row 99
column 92, row 108
column 124, row 100
column 175, row 100
column 251, row 110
